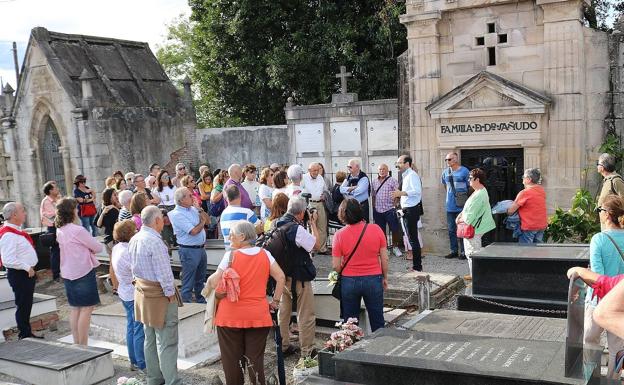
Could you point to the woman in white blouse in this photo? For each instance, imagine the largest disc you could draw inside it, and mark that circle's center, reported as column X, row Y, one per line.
column 165, row 191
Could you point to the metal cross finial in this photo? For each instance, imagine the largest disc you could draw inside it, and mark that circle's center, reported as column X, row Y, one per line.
column 343, row 75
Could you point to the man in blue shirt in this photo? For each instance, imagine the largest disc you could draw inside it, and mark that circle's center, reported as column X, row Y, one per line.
column 188, row 225
column 410, row 195
column 357, row 186
column 456, row 195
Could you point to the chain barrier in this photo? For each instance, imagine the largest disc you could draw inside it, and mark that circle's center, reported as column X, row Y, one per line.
column 520, row 308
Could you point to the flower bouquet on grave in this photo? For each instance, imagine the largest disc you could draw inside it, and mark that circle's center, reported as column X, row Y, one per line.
column 128, row 381
column 348, row 334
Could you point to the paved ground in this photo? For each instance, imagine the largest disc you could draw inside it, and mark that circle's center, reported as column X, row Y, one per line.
column 204, row 375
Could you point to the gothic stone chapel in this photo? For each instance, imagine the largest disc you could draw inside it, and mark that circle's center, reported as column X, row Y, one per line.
column 90, row 105
column 507, row 85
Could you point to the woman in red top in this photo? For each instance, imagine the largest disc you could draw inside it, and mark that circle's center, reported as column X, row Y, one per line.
column 365, row 274
column 243, row 326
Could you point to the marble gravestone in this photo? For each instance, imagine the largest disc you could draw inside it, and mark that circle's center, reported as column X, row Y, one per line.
column 470, row 348
column 523, row 276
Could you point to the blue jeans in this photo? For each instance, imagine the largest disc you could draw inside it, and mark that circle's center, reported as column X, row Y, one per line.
column 369, row 287
column 135, row 336
column 389, row 217
column 88, row 223
column 456, row 247
column 194, row 264
column 530, row 236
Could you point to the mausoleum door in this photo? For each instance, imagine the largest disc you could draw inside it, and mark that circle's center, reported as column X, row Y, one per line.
column 52, row 158
column 504, row 169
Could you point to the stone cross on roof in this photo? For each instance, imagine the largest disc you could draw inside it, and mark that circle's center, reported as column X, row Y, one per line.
column 343, row 75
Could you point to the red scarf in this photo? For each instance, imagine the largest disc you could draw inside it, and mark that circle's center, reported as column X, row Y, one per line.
column 8, row 229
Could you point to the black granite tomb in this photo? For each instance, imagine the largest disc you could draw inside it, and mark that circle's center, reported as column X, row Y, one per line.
column 532, row 277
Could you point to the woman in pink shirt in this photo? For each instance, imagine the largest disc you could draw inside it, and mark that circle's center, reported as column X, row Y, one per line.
column 78, row 263
column 47, row 211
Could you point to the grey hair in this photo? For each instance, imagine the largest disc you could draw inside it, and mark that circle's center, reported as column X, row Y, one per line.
column 356, row 162
column 314, row 164
column 245, row 228
column 178, row 195
column 296, row 205
column 179, row 164
column 9, row 210
column 149, row 215
column 125, row 197
column 534, row 174
column 295, row 173
column 607, row 161
column 134, row 178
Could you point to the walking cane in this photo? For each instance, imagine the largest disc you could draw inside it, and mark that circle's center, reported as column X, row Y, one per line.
column 281, row 371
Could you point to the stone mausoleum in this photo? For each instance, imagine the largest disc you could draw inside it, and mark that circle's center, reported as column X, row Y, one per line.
column 507, row 85
column 88, row 105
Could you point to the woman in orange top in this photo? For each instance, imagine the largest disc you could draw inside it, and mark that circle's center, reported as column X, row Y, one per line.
column 243, row 326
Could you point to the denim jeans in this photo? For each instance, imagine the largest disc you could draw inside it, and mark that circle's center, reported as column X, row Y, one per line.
column 89, row 224
column 369, row 287
column 456, row 247
column 135, row 337
column 194, row 264
column 530, row 236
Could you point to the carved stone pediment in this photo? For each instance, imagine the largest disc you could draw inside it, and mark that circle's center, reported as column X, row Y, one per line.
column 487, row 94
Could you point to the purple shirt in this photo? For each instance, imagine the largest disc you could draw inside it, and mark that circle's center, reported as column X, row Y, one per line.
column 245, row 200
column 383, row 198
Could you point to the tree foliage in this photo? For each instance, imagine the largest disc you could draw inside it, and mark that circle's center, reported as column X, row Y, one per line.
column 250, row 56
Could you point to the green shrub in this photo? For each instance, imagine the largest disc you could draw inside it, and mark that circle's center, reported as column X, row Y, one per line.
column 576, row 225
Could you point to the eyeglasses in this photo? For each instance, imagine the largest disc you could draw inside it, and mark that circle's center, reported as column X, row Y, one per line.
column 448, row 160
column 598, row 164
column 349, row 167
column 471, row 178
column 599, row 209
column 182, row 168
column 164, row 177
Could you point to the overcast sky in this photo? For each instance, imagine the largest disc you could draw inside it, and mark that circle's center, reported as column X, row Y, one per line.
column 141, row 20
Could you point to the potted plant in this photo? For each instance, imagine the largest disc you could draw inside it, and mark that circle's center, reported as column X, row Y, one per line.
column 348, row 334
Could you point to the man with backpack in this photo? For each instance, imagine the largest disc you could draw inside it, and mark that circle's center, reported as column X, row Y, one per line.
column 612, row 182
column 291, row 245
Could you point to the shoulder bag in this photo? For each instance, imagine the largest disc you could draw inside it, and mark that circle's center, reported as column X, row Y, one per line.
column 460, row 197
column 336, row 291
column 467, row 231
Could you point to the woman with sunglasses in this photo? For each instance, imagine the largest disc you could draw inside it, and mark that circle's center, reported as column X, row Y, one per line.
column 605, row 258
column 86, row 204
column 265, row 193
column 165, row 191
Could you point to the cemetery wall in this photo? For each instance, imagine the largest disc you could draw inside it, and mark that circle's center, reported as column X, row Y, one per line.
column 260, row 145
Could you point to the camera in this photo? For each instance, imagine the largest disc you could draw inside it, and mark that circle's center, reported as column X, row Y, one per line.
column 309, row 210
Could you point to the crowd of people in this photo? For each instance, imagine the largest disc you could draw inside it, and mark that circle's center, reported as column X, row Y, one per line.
column 143, row 217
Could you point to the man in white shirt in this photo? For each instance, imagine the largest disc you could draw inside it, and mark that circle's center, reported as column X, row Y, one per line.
column 314, row 184
column 411, row 195
column 19, row 257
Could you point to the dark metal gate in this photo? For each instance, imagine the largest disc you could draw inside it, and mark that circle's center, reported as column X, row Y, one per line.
column 504, row 169
column 52, row 157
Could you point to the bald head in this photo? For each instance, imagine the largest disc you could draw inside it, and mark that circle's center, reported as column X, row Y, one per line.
column 14, row 213
column 236, row 172
column 314, row 169
column 383, row 170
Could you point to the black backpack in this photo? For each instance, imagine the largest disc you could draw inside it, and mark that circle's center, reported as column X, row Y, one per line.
column 275, row 242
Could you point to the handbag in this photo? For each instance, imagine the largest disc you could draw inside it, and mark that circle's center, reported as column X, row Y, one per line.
column 460, row 197
column 467, row 231
column 616, row 246
column 88, row 209
column 336, row 291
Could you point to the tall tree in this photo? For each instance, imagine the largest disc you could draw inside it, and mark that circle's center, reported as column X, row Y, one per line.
column 250, row 56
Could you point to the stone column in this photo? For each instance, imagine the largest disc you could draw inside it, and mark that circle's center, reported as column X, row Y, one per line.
column 564, row 82
column 423, row 76
column 67, row 171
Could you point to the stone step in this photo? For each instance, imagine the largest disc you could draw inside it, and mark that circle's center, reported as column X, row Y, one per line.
column 108, row 324
column 42, row 304
column 43, row 362
column 6, row 293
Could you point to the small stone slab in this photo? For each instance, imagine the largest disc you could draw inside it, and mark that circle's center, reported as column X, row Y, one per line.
column 409, row 357
column 542, row 252
column 48, row 354
column 487, row 325
column 117, row 310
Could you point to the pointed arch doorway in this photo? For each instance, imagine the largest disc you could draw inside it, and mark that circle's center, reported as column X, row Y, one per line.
column 51, row 156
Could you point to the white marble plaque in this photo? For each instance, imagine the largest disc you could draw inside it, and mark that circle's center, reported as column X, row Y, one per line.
column 305, row 162
column 382, row 134
column 339, row 163
column 345, row 136
column 309, row 137
column 375, row 161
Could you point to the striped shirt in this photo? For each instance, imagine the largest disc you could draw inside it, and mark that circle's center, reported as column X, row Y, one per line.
column 124, row 214
column 232, row 214
column 150, row 258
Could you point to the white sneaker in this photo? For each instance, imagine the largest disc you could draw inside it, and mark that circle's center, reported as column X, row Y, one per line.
column 397, row 251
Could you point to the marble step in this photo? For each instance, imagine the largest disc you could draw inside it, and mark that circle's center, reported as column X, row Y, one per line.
column 42, row 304
column 43, row 362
